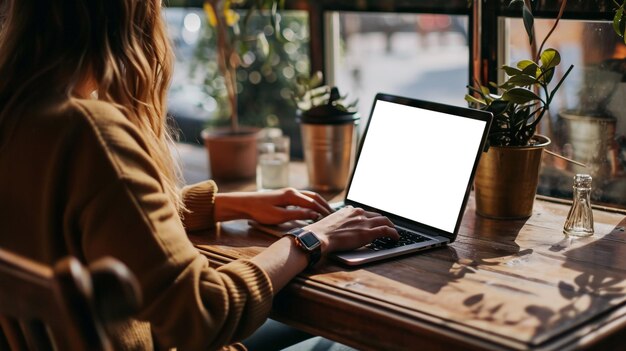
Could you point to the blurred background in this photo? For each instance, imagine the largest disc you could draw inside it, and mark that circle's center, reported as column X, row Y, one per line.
column 423, row 50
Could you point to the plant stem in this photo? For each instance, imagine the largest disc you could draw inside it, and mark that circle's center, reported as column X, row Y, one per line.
column 559, row 84
column 225, row 64
column 564, row 158
column 558, row 18
column 550, row 96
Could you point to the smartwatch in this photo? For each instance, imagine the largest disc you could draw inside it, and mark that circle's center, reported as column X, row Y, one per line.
column 308, row 242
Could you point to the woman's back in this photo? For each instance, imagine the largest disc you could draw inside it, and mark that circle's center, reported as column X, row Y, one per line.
column 56, row 158
column 80, row 181
column 55, row 162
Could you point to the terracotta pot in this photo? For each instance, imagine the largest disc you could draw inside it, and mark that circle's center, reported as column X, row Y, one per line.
column 231, row 156
column 506, row 180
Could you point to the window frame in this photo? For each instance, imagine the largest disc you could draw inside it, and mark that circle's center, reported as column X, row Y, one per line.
column 319, row 14
column 545, row 9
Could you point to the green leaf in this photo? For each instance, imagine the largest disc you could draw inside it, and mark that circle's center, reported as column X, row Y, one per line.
column 521, row 80
column 474, row 89
column 275, row 20
column 617, row 21
column 622, row 25
column 550, row 58
column 485, row 90
column 547, row 76
column 473, row 100
column 263, row 44
column 506, row 86
column 521, row 117
column 520, row 96
column 525, row 63
column 498, row 107
column 495, row 96
column 511, row 71
column 301, row 80
column 318, row 93
column 529, row 21
column 316, row 79
column 242, row 47
column 529, row 68
column 352, row 106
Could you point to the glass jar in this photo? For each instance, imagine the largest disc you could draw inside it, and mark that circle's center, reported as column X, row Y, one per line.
column 579, row 220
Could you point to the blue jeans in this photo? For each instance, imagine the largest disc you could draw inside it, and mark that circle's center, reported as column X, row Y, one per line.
column 275, row 336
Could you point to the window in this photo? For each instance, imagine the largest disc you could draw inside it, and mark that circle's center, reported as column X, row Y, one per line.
column 197, row 92
column 424, row 56
column 427, row 50
column 587, row 120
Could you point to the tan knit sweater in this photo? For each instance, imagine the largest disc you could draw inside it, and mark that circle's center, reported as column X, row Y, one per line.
column 76, row 179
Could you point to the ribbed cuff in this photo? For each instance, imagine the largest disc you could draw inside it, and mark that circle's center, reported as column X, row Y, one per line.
column 199, row 199
column 259, row 294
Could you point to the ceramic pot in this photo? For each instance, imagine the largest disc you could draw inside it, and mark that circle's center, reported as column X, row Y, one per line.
column 506, row 180
column 232, row 156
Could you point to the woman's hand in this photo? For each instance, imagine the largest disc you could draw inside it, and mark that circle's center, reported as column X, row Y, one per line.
column 346, row 229
column 351, row 228
column 271, row 207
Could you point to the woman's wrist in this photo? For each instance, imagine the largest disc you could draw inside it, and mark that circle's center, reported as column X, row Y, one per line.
column 229, row 207
column 282, row 261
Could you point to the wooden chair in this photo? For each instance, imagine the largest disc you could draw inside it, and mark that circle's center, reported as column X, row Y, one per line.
column 65, row 307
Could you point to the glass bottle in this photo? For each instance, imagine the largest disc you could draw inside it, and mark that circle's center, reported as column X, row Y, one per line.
column 579, row 221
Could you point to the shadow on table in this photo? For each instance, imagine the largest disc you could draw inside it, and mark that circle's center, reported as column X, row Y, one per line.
column 432, row 270
column 597, row 289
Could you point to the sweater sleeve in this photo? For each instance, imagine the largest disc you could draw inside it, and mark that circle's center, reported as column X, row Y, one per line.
column 190, row 305
column 199, row 199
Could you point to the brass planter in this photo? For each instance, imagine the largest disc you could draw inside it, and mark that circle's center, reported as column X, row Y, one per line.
column 506, row 180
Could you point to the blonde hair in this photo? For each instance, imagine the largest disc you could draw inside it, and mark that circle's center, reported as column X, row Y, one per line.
column 122, row 45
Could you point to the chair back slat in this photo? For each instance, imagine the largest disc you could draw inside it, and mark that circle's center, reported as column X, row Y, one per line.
column 13, row 333
column 4, row 343
column 57, row 308
column 36, row 335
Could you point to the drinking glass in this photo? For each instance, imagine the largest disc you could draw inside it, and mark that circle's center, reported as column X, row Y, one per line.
column 273, row 163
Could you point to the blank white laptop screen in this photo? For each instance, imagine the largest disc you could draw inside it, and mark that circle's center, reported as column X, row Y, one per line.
column 416, row 163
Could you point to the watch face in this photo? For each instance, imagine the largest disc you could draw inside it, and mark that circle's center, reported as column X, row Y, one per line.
column 309, row 240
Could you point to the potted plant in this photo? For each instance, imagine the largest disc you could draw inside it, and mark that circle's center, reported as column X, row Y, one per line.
column 232, row 150
column 329, row 134
column 507, row 176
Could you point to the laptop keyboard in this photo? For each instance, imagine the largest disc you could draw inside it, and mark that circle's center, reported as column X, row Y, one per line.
column 406, row 238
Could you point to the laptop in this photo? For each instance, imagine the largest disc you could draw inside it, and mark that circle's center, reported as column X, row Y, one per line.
column 415, row 165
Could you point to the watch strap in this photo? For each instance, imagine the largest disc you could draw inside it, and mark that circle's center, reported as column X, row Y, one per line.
column 313, row 254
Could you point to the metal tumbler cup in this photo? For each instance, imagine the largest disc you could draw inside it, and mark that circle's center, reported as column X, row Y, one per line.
column 329, row 144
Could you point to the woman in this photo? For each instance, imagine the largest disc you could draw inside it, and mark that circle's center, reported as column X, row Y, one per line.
column 85, row 170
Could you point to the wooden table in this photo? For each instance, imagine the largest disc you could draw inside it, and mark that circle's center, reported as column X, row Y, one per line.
column 502, row 285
